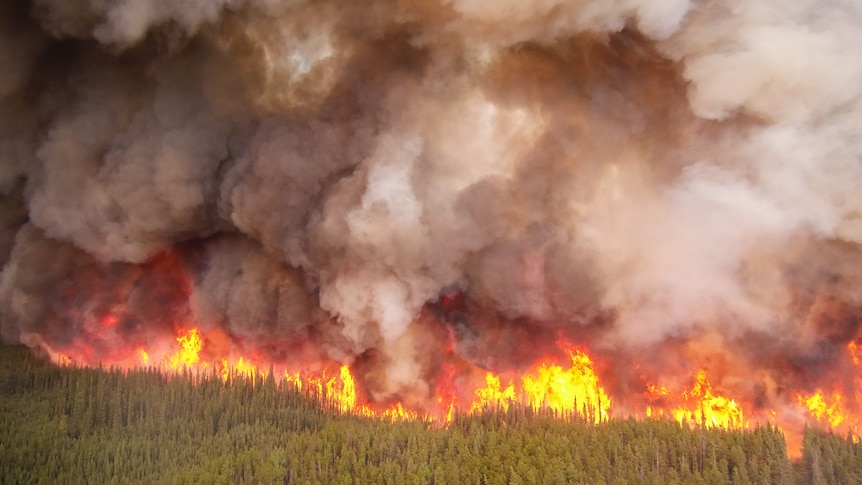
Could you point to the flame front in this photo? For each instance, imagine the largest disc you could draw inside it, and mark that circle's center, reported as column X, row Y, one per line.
column 573, row 390
column 702, row 406
column 443, row 196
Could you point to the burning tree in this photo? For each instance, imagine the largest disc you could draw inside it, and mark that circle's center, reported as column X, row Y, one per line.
column 641, row 208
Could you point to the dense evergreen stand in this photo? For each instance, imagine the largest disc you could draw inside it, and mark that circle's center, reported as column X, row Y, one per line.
column 79, row 425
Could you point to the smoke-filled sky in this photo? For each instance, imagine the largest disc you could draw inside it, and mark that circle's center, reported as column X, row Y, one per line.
column 661, row 178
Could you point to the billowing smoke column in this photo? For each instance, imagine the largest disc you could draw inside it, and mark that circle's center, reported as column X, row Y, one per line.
column 672, row 184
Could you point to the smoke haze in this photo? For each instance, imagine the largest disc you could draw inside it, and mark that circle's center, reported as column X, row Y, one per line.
column 672, row 183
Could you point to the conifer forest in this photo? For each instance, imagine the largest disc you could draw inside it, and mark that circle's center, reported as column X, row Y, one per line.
column 82, row 425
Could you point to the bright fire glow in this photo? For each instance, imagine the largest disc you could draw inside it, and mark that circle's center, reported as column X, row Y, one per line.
column 836, row 408
column 832, row 411
column 491, row 396
column 190, row 353
column 700, row 405
column 241, row 368
column 573, row 390
column 855, row 351
column 566, row 390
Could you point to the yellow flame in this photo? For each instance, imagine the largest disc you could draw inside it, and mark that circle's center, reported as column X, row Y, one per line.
column 707, row 409
column 241, row 367
column 491, row 396
column 295, row 379
column 398, row 413
column 246, row 368
column 832, row 413
column 346, row 397
column 189, row 354
column 574, row 389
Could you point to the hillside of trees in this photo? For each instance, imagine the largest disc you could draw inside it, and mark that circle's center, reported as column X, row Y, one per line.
column 79, row 425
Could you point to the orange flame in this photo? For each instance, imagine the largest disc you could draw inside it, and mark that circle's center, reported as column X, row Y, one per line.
column 341, row 392
column 832, row 412
column 705, row 408
column 833, row 409
column 241, row 368
column 655, row 393
column 491, row 396
column 855, row 351
column 571, row 390
column 574, row 389
column 398, row 413
column 190, row 353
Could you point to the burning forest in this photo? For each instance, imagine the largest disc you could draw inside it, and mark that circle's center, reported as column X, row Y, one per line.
column 641, row 208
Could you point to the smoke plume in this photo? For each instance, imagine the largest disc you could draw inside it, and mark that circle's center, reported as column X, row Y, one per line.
column 671, row 183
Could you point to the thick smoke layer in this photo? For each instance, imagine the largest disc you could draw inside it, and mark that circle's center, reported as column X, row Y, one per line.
column 306, row 179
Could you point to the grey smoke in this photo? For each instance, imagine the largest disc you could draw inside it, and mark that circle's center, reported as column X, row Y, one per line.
column 626, row 173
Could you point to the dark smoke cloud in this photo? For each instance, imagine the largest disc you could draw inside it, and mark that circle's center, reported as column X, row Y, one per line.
column 310, row 177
